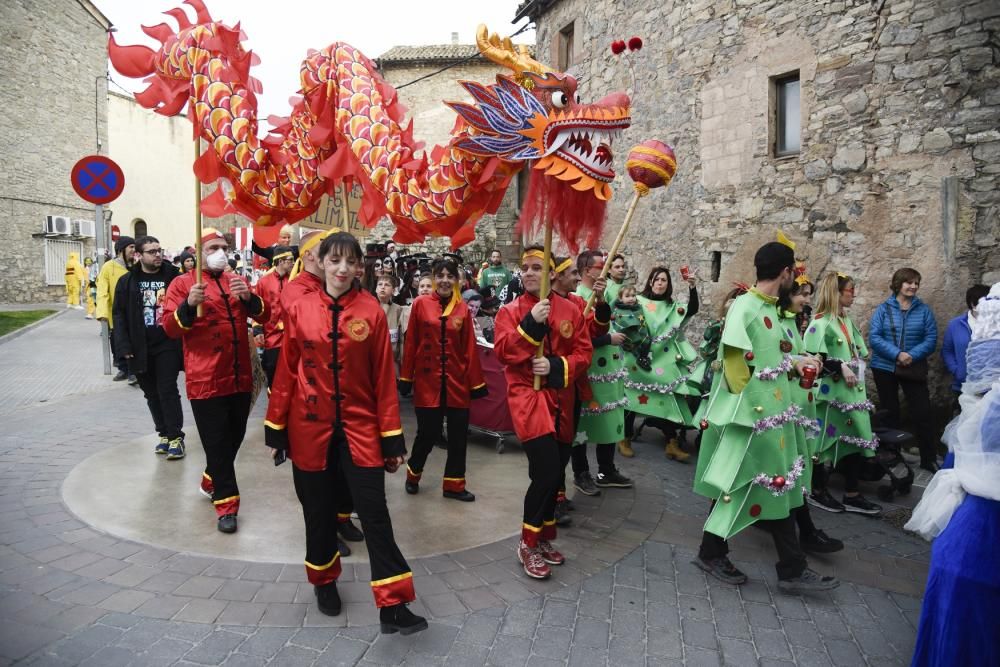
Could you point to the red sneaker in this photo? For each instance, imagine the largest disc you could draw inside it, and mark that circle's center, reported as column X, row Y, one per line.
column 549, row 553
column 534, row 565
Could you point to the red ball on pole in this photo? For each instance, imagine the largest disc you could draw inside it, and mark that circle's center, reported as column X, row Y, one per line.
column 651, row 164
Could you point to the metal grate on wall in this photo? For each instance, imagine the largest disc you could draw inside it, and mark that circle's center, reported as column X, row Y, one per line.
column 56, row 254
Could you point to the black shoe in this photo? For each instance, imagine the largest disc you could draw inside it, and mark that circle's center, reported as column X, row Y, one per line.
column 328, row 599
column 349, row 531
column 133, row 380
column 227, row 523
column 412, row 488
column 562, row 516
column 820, row 543
column 824, row 501
column 342, row 547
column 462, row 495
column 613, row 479
column 121, row 375
column 584, row 483
column 399, row 618
column 807, row 582
column 931, row 467
column 861, row 505
column 722, row 569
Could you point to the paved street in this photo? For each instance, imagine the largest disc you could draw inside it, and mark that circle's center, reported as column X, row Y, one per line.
column 628, row 595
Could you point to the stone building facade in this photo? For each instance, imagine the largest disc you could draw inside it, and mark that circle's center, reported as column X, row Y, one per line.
column 899, row 152
column 432, row 124
column 53, row 64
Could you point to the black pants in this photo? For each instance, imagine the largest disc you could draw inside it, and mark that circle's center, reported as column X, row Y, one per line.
column 918, row 399
column 430, row 424
column 849, row 467
column 605, row 458
column 546, row 459
column 159, row 385
column 222, row 423
column 804, row 521
column 119, row 362
column 269, row 362
column 791, row 560
column 318, row 493
column 668, row 428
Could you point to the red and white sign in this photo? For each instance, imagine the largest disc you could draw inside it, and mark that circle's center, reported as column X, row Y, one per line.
column 242, row 237
column 116, row 233
column 97, row 179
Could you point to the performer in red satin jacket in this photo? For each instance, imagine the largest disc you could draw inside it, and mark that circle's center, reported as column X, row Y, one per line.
column 306, row 277
column 334, row 405
column 269, row 288
column 542, row 425
column 216, row 364
column 441, row 367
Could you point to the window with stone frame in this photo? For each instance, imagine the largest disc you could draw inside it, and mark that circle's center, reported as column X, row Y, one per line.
column 564, row 47
column 787, row 119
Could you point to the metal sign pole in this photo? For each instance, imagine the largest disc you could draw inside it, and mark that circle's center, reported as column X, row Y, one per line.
column 101, row 241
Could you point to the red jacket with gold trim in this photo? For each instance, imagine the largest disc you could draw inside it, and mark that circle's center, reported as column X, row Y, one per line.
column 598, row 322
column 566, row 343
column 216, row 345
column 335, row 372
column 304, row 283
column 440, row 351
column 269, row 288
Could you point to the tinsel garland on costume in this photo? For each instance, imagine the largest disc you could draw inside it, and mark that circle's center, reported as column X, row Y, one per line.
column 860, row 442
column 620, row 374
column 667, row 335
column 778, row 485
column 607, row 407
column 865, row 405
column 772, row 373
column 790, row 415
column 657, row 388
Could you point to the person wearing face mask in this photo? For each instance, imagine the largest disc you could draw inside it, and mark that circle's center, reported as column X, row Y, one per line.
column 545, row 429
column 334, row 407
column 441, row 368
column 216, row 364
column 269, row 288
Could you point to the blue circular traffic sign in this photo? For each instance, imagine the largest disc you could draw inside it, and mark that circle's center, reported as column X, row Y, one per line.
column 97, row 179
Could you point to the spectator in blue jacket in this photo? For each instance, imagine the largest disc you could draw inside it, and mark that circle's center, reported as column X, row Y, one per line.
column 957, row 336
column 902, row 335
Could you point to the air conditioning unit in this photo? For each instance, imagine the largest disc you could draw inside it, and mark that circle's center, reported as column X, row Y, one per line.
column 84, row 228
column 58, row 225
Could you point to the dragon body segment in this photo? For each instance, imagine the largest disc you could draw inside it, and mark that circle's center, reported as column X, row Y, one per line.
column 347, row 127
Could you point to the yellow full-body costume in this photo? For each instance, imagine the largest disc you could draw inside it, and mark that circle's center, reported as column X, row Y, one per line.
column 76, row 275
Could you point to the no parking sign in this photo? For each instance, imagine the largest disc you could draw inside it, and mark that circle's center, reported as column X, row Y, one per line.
column 97, row 179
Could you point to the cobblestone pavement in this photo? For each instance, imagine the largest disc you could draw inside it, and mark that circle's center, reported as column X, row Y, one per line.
column 627, row 596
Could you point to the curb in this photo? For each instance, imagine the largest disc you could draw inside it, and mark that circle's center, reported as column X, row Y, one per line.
column 28, row 327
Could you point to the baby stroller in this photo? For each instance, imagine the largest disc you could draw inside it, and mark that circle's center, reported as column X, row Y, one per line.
column 888, row 462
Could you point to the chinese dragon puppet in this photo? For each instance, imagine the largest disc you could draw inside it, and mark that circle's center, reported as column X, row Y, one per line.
column 347, row 126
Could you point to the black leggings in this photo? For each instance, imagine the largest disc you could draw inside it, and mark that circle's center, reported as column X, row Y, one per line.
column 791, row 560
column 918, row 399
column 849, row 467
column 668, row 428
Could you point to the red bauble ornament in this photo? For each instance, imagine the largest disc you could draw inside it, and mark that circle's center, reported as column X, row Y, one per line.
column 748, row 356
column 778, row 482
column 767, row 322
column 651, row 164
column 634, row 44
column 755, row 511
column 703, row 424
column 617, row 46
column 680, row 311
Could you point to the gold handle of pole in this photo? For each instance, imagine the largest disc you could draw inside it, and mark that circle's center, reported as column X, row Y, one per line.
column 544, row 291
column 614, row 248
column 197, row 220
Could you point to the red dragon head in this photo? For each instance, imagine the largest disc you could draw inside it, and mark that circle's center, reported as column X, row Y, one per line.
column 536, row 115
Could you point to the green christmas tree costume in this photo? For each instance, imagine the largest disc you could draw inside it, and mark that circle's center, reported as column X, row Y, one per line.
column 703, row 369
column 602, row 420
column 844, row 412
column 611, row 291
column 754, row 452
column 662, row 390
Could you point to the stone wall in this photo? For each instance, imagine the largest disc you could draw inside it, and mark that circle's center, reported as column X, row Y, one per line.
column 432, row 124
column 899, row 102
column 52, row 57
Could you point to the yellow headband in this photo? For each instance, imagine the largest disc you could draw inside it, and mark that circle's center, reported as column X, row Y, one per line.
column 309, row 244
column 803, row 279
column 535, row 253
column 784, row 240
column 281, row 256
column 568, row 262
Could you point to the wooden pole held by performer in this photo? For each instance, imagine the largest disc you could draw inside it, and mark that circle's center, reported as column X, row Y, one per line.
column 197, row 220
column 614, row 247
column 543, row 293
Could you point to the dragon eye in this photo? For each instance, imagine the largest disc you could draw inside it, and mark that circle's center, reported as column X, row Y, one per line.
column 559, row 99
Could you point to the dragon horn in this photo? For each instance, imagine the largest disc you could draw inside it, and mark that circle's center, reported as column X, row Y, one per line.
column 503, row 53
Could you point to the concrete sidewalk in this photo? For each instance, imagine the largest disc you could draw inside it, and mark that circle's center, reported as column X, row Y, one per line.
column 70, row 594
